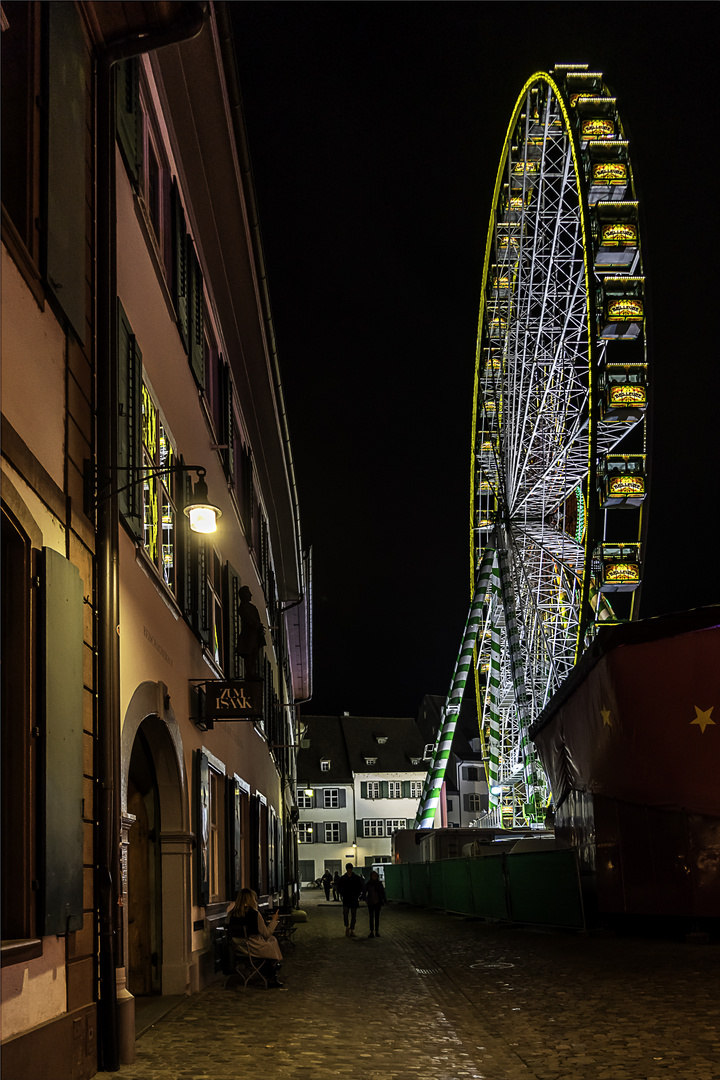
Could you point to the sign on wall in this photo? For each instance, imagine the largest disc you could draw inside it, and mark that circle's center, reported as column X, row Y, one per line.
column 234, row 699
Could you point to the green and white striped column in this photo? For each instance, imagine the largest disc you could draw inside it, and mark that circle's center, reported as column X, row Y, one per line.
column 492, row 706
column 463, row 667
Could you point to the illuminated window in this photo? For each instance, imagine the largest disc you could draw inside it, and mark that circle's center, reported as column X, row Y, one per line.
column 304, row 800
column 373, row 789
column 215, row 608
column 159, row 513
column 373, row 827
column 305, row 832
column 216, row 867
column 395, row 789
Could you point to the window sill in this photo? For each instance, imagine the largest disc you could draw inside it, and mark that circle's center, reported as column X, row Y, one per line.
column 20, row 950
column 151, row 572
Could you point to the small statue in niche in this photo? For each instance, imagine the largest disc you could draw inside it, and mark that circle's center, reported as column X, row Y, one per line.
column 252, row 633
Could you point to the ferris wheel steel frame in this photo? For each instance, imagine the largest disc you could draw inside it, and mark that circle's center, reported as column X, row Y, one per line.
column 559, row 441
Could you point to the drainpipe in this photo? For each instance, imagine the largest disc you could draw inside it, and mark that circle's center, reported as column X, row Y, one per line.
column 116, row 1025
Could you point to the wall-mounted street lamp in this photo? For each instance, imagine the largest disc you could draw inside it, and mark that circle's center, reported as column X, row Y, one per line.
column 202, row 514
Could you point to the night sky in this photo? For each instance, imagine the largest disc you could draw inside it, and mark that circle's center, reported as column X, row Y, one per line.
column 375, row 132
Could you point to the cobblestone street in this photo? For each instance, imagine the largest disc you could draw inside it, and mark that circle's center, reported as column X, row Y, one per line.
column 441, row 997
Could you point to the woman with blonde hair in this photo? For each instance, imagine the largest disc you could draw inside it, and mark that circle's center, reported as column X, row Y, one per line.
column 244, row 918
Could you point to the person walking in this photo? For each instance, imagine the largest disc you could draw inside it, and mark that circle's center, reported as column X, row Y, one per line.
column 375, row 898
column 350, row 887
column 326, row 883
column 336, row 879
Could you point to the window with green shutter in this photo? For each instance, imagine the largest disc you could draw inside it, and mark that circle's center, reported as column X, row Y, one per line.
column 196, row 333
column 202, row 828
column 130, row 452
column 128, row 117
column 179, row 263
column 234, row 664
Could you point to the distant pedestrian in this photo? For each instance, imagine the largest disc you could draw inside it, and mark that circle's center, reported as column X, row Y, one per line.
column 375, row 898
column 336, row 879
column 326, row 883
column 350, row 887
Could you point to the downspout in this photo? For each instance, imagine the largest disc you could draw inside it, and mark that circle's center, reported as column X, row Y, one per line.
column 115, row 1031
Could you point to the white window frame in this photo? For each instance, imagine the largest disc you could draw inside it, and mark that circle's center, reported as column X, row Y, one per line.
column 304, row 801
column 393, row 824
column 474, row 798
column 331, row 798
column 416, row 787
column 374, row 827
column 373, row 789
column 332, row 832
column 306, row 834
column 394, row 789
column 325, row 765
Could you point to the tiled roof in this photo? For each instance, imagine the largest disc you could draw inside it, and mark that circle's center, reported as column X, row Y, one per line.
column 347, row 741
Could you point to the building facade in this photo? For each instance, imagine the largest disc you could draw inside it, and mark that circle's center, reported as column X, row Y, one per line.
column 156, row 671
column 359, row 780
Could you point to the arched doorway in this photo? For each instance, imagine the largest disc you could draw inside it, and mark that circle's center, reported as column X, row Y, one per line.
column 158, row 847
column 144, row 866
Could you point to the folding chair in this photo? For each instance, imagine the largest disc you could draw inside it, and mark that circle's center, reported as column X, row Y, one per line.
column 242, row 955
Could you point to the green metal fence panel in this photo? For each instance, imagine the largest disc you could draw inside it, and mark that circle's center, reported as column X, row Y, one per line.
column 394, row 881
column 545, row 888
column 458, row 895
column 489, row 887
column 406, row 882
column 419, row 884
column 437, row 886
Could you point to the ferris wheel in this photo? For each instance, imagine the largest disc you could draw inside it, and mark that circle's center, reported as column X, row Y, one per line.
column 559, row 442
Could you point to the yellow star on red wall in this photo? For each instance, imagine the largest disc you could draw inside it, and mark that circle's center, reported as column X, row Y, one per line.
column 702, row 718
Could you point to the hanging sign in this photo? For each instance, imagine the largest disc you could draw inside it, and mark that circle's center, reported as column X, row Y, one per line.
column 236, row 699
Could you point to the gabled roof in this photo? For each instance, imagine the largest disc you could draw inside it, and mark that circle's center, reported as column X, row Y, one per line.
column 351, row 742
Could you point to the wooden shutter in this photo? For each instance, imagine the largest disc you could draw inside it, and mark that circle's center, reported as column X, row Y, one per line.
column 62, row 758
column 185, row 552
column 201, row 599
column 196, row 333
column 180, row 263
column 128, row 117
column 406, row 789
column 359, row 829
column 232, row 621
column 384, row 789
column 363, row 789
column 66, row 134
column 341, row 797
column 202, row 827
column 129, row 424
column 234, row 836
column 228, row 434
column 343, row 832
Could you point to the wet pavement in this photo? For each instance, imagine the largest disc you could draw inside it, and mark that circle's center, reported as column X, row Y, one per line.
column 443, row 997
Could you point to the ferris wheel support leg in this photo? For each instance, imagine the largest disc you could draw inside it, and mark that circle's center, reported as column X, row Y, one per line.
column 432, row 787
column 518, row 670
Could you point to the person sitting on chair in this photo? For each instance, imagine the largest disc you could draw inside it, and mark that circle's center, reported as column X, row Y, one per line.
column 244, row 917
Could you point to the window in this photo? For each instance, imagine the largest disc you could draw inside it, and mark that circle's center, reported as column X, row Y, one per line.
column 449, row 805
column 416, row 787
column 373, row 827
column 371, row 761
column 331, row 798
column 472, row 773
column 395, row 789
column 325, row 765
column 304, row 800
column 373, row 790
column 215, row 607
column 159, row 512
column 217, row 837
column 305, row 832
column 393, row 824
column 332, row 832
column 473, row 802
column 155, row 182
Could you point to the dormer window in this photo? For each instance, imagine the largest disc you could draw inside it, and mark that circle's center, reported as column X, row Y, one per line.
column 325, row 764
column 415, row 760
column 371, row 761
column 381, row 739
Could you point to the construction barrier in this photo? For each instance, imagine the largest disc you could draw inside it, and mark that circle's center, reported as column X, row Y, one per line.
column 541, row 887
